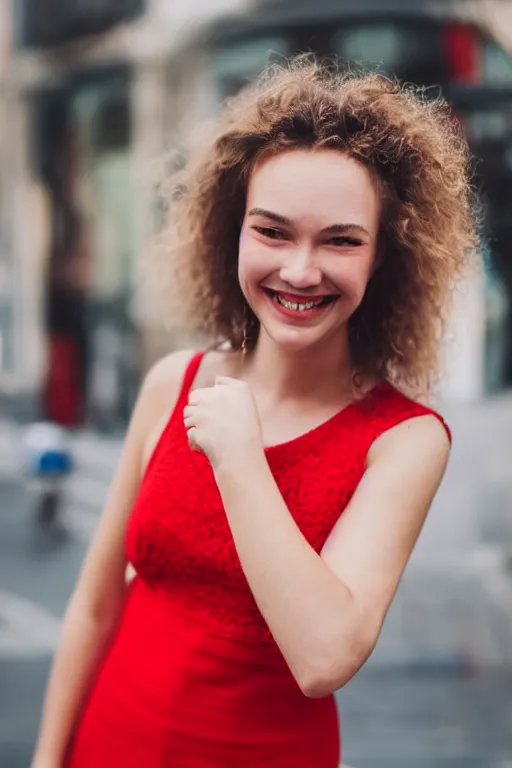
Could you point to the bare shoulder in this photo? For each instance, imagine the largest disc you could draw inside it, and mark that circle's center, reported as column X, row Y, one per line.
column 163, row 381
column 165, row 377
column 421, row 439
column 217, row 362
column 158, row 396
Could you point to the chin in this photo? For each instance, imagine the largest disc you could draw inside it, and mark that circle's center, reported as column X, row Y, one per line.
column 297, row 340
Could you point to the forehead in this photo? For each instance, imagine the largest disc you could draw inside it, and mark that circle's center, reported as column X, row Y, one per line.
column 325, row 185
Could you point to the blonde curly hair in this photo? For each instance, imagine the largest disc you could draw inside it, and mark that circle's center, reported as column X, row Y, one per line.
column 415, row 151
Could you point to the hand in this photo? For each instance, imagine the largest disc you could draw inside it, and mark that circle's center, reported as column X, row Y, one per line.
column 222, row 421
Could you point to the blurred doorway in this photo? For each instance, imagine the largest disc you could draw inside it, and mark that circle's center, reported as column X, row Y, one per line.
column 102, row 116
column 486, row 114
column 66, row 267
column 83, row 153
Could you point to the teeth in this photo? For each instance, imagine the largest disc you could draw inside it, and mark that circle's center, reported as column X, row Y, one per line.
column 295, row 306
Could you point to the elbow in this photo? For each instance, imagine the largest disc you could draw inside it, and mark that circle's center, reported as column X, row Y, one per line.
column 319, row 683
column 318, row 680
column 317, row 688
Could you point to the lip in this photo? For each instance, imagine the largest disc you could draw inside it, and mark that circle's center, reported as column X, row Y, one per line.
column 298, row 315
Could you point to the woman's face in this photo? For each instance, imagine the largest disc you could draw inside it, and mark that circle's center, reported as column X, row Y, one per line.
column 307, row 244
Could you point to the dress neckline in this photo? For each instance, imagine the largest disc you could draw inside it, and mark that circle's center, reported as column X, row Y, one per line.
column 299, row 440
column 328, row 423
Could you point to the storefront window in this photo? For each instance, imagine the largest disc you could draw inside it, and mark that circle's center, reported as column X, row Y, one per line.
column 404, row 50
column 382, row 47
column 496, row 65
column 489, row 131
column 236, row 65
column 106, row 192
column 101, row 116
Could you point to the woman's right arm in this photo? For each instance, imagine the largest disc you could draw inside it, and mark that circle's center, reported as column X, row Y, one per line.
column 95, row 605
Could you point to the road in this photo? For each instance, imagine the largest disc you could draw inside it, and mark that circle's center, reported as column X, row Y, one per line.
column 429, row 697
column 36, row 577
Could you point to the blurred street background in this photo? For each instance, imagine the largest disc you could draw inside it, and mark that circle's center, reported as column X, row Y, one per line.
column 93, row 94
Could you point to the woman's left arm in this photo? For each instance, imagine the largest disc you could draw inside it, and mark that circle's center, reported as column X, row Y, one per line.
column 325, row 611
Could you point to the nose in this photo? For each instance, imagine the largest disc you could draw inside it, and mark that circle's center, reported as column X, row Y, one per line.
column 300, row 270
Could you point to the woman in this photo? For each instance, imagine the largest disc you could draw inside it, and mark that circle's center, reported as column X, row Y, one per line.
column 270, row 494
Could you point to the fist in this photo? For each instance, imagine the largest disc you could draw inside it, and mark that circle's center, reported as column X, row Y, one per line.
column 222, row 421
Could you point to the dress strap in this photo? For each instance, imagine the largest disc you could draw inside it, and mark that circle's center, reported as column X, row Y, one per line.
column 177, row 411
column 188, row 378
column 390, row 408
column 433, row 412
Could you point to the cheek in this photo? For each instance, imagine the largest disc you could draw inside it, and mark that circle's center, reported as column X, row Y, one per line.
column 352, row 279
column 254, row 263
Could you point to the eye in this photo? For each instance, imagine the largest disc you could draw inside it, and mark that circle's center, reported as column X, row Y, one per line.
column 342, row 241
column 270, row 233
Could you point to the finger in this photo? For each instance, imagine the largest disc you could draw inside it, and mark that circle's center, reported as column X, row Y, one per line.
column 194, row 397
column 188, row 411
column 192, row 441
column 197, row 396
column 189, row 421
column 191, row 434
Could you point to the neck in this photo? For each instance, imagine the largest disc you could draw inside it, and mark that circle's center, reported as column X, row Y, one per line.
column 324, row 370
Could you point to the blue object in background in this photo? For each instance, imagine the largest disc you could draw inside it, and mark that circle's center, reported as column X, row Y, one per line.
column 47, row 451
column 51, row 463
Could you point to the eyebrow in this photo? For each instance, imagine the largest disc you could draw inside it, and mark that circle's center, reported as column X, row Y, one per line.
column 333, row 229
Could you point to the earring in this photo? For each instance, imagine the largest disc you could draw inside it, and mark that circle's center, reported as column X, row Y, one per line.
column 244, row 346
column 244, row 343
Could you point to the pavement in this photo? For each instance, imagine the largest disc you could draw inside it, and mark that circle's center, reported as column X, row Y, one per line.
column 437, row 691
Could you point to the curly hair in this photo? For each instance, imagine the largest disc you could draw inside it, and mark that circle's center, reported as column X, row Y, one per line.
column 413, row 148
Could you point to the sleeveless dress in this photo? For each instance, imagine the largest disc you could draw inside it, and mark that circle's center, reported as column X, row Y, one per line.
column 193, row 677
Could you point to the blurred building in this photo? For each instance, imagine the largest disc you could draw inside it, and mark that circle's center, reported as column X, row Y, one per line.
column 93, row 93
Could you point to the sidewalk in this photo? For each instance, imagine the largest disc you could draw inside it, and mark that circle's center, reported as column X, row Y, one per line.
column 96, row 456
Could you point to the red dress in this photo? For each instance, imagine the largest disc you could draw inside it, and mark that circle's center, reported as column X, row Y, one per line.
column 193, row 677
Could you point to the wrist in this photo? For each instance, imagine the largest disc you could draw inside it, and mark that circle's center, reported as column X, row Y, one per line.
column 249, row 459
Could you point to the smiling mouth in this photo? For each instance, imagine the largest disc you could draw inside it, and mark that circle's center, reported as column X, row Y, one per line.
column 298, row 303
